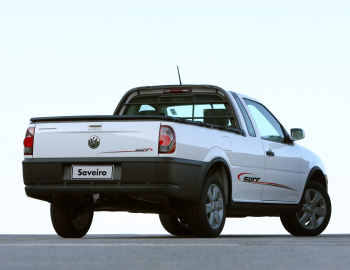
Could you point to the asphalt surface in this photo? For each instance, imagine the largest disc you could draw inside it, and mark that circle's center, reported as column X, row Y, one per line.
column 167, row 252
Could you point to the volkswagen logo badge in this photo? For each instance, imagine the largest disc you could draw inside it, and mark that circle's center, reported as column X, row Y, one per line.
column 94, row 142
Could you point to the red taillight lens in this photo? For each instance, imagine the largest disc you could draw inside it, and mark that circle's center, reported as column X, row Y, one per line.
column 164, row 140
column 29, row 141
column 167, row 140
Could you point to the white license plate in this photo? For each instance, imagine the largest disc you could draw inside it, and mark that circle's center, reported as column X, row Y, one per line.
column 92, row 172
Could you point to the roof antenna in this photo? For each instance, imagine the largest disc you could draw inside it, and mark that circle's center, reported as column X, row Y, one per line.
column 178, row 72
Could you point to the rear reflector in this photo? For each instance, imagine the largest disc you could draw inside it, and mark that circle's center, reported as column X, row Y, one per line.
column 29, row 141
column 178, row 91
column 167, row 140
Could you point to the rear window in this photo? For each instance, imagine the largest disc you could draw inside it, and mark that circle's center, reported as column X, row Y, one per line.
column 211, row 109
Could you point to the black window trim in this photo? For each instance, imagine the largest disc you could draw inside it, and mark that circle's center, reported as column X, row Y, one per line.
column 236, row 96
column 287, row 139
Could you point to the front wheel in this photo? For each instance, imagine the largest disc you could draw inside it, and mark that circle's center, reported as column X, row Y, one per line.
column 314, row 215
column 69, row 218
column 207, row 217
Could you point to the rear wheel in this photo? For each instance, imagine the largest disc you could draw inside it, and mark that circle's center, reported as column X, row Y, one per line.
column 207, row 217
column 70, row 219
column 174, row 225
column 314, row 215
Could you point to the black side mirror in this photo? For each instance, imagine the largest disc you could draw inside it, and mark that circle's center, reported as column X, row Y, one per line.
column 297, row 134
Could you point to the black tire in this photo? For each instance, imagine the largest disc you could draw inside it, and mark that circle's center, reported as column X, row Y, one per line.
column 291, row 221
column 174, row 225
column 197, row 217
column 69, row 218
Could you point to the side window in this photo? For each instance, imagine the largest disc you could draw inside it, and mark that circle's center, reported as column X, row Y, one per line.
column 268, row 126
column 247, row 121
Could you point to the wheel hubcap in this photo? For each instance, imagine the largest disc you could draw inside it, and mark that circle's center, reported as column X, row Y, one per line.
column 313, row 211
column 214, row 206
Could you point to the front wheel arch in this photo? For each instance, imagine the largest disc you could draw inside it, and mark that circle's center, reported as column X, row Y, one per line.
column 315, row 175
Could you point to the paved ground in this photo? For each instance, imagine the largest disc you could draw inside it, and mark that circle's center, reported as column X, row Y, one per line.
column 166, row 252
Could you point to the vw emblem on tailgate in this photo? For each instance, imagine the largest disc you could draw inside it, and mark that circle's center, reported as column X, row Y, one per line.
column 94, row 142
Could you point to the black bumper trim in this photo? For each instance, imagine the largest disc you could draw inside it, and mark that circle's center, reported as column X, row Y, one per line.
column 169, row 177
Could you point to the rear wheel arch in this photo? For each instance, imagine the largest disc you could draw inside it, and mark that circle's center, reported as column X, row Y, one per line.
column 220, row 169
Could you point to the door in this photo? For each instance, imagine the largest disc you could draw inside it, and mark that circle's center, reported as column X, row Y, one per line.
column 283, row 160
column 247, row 167
column 247, row 160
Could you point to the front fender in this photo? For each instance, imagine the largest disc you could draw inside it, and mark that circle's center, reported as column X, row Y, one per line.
column 310, row 160
column 311, row 163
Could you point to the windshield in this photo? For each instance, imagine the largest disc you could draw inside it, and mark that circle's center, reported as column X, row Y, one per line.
column 211, row 109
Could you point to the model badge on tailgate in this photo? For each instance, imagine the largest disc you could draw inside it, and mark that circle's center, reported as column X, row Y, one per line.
column 136, row 150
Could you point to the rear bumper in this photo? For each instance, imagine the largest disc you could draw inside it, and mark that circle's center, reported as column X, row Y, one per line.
column 168, row 177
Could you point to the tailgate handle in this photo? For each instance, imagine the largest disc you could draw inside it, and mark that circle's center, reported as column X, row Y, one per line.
column 95, row 125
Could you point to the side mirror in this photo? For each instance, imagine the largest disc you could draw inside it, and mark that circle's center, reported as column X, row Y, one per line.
column 297, row 134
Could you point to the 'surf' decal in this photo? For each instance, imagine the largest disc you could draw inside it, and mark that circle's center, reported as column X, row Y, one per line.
column 251, row 178
column 137, row 150
column 278, row 185
column 144, row 150
column 255, row 180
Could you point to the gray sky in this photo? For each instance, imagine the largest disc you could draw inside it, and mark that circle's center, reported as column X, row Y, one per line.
column 80, row 57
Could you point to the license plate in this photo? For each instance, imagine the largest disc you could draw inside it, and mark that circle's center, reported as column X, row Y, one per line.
column 91, row 172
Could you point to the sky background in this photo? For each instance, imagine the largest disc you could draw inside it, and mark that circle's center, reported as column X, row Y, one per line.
column 80, row 57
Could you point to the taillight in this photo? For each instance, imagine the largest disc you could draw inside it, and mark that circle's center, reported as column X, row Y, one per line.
column 167, row 140
column 29, row 141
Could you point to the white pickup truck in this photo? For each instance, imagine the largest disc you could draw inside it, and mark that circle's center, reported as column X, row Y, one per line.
column 194, row 154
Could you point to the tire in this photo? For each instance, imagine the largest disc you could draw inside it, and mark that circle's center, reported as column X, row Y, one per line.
column 69, row 218
column 207, row 217
column 174, row 225
column 314, row 216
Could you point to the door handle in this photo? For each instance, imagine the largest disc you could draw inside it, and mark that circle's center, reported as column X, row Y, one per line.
column 270, row 153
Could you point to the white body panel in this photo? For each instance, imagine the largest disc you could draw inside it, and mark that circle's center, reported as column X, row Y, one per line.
column 246, row 159
column 118, row 139
column 290, row 166
column 309, row 160
column 285, row 169
column 245, row 155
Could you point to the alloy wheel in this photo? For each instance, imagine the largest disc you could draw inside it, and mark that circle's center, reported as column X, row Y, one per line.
column 313, row 211
column 214, row 206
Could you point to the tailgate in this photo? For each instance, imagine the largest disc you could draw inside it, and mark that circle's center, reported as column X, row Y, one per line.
column 112, row 138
